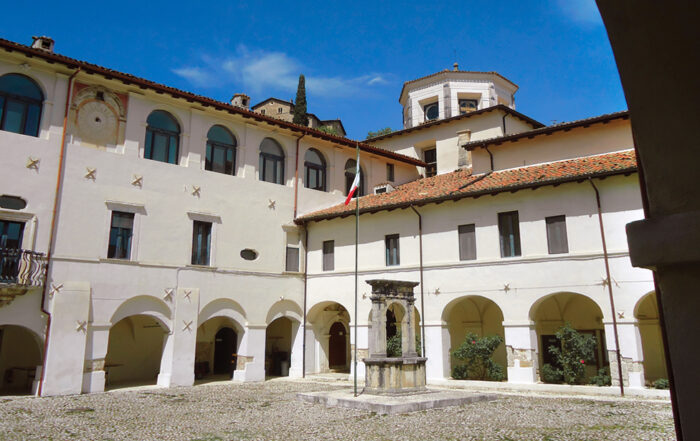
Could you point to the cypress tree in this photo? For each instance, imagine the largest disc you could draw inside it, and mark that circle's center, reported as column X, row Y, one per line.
column 300, row 104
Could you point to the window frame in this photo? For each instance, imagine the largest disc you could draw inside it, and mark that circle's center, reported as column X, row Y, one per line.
column 169, row 136
column 130, row 239
column 463, row 254
column 425, row 111
column 197, row 256
column 276, row 160
column 431, row 167
column 552, row 222
column 287, row 256
column 26, row 103
column 328, row 263
column 512, row 248
column 211, row 146
column 390, row 172
column 392, row 254
column 319, row 170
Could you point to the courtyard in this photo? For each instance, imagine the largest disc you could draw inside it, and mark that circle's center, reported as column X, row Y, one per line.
column 270, row 411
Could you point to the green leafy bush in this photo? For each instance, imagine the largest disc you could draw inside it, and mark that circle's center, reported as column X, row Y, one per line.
column 661, row 383
column 476, row 354
column 380, row 132
column 603, row 378
column 393, row 345
column 575, row 351
column 550, row 374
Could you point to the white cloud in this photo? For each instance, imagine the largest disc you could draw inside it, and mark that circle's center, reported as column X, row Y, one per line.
column 581, row 11
column 258, row 72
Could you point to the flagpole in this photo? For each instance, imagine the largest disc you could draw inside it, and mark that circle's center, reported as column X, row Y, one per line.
column 357, row 235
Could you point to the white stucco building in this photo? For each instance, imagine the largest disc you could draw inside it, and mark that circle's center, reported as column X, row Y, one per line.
column 189, row 237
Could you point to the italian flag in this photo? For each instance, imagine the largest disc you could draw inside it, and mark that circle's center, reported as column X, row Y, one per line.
column 355, row 184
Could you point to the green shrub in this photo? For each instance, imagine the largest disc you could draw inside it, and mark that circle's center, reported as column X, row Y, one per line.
column 550, row 374
column 393, row 345
column 575, row 351
column 476, row 354
column 661, row 383
column 603, row 378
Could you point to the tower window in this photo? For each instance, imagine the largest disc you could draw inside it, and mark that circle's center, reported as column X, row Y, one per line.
column 432, row 111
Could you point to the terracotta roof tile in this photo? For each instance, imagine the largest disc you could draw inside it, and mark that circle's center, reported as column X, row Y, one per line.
column 461, row 183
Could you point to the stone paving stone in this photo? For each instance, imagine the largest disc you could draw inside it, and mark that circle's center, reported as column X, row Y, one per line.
column 270, row 411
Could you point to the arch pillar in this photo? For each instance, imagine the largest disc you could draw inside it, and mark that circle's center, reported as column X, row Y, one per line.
column 96, row 351
column 251, row 354
column 521, row 350
column 363, row 351
column 630, row 352
column 296, row 356
column 177, row 363
column 437, row 350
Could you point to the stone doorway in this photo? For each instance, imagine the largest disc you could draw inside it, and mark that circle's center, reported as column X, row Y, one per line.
column 338, row 342
column 225, row 351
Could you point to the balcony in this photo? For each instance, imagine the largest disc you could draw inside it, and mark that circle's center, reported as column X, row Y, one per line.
column 20, row 270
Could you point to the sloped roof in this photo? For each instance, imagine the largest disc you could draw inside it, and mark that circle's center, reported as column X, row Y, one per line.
column 128, row 79
column 462, row 184
column 467, row 115
column 565, row 127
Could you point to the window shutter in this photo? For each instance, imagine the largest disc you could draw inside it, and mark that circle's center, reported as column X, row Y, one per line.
column 556, row 235
column 292, row 259
column 467, row 242
column 328, row 255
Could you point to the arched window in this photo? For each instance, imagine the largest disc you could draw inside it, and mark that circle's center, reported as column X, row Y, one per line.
column 221, row 151
column 350, row 169
column 162, row 137
column 314, row 170
column 20, row 105
column 431, row 111
column 271, row 161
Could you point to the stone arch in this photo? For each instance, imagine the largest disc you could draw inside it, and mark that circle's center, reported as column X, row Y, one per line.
column 474, row 314
column 214, row 342
column 331, row 344
column 646, row 313
column 21, row 352
column 143, row 305
column 552, row 311
column 223, row 308
column 284, row 308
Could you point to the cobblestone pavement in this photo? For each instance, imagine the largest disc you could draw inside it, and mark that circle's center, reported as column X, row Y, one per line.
column 270, row 411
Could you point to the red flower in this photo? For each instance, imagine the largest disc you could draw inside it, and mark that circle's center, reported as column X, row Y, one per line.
column 473, row 342
column 582, row 361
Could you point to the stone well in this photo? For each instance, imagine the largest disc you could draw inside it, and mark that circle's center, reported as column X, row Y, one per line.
column 393, row 375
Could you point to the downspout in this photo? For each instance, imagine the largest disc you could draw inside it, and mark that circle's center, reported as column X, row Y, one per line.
column 610, row 291
column 54, row 225
column 306, row 270
column 422, row 302
column 504, row 123
column 490, row 156
column 296, row 176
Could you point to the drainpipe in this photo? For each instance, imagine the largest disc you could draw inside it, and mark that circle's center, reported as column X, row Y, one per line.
column 610, row 291
column 306, row 270
column 490, row 156
column 504, row 123
column 54, row 226
column 296, row 176
column 420, row 254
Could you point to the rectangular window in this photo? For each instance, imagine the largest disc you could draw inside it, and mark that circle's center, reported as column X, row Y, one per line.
column 392, row 249
column 120, row 234
column 292, row 263
column 390, row 172
column 430, row 158
column 201, row 242
column 328, row 255
column 509, row 232
column 467, row 242
column 556, row 234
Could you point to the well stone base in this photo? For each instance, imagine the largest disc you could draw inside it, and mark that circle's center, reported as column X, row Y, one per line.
column 394, row 376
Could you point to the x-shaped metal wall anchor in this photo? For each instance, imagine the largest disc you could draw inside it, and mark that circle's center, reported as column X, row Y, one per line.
column 187, row 326
column 137, row 180
column 81, row 326
column 168, row 294
column 196, row 190
column 90, row 173
column 33, row 162
column 271, row 204
column 55, row 289
column 187, row 294
column 506, row 287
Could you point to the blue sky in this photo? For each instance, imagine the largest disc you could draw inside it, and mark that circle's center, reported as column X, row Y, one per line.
column 355, row 58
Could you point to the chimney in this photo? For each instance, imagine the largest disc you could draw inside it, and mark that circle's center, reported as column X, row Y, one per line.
column 241, row 100
column 44, row 43
column 455, row 67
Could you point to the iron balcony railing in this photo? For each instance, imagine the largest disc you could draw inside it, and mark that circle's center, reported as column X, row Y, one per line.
column 22, row 267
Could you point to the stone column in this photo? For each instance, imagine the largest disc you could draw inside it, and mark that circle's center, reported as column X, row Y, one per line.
column 251, row 358
column 363, row 336
column 521, row 347
column 296, row 361
column 377, row 337
column 408, row 333
column 184, row 337
column 311, row 343
column 96, row 350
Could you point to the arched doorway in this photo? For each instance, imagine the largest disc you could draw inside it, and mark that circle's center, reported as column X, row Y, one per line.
column 134, row 351
column 216, row 352
column 337, row 346
column 478, row 315
column 647, row 315
column 551, row 313
column 20, row 355
column 278, row 347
